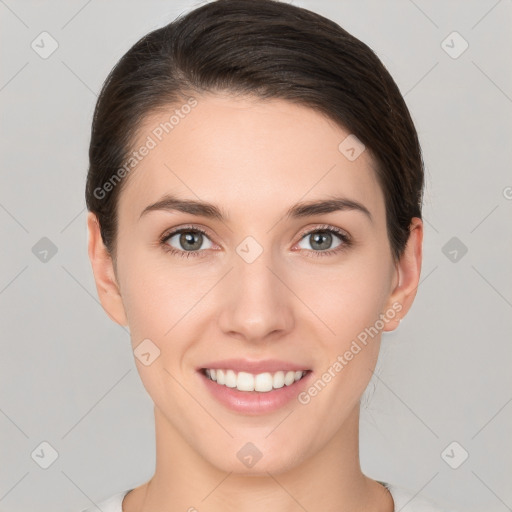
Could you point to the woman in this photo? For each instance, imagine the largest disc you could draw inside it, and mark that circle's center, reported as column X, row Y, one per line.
column 254, row 197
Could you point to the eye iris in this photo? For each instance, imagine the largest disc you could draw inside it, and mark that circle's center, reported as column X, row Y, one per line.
column 319, row 235
column 188, row 237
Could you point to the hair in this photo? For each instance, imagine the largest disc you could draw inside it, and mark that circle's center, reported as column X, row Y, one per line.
column 268, row 49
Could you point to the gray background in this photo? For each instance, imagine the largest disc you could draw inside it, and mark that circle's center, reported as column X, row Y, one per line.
column 67, row 375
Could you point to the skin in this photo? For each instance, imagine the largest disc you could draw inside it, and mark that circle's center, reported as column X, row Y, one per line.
column 254, row 159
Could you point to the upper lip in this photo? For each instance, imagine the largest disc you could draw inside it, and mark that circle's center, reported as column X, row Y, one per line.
column 255, row 367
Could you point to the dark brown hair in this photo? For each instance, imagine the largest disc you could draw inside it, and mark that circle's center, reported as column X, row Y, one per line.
column 269, row 49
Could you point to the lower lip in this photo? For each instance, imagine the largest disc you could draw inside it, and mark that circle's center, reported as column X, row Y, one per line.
column 255, row 402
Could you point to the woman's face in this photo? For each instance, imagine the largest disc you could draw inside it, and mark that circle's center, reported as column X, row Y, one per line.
column 259, row 284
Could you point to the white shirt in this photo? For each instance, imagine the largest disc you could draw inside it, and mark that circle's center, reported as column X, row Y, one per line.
column 405, row 501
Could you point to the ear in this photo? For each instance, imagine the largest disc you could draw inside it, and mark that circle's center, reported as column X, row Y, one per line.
column 407, row 276
column 104, row 275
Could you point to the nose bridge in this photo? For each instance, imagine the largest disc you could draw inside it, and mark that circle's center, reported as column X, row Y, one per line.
column 258, row 303
column 255, row 277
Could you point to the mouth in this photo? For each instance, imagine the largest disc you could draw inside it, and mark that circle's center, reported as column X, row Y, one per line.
column 254, row 387
column 254, row 382
column 254, row 394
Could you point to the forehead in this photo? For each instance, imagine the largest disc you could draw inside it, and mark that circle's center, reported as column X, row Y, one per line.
column 248, row 155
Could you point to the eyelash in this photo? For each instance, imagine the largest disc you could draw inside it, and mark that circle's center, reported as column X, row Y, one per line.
column 346, row 241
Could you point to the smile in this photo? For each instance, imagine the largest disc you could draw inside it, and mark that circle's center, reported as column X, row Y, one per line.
column 261, row 382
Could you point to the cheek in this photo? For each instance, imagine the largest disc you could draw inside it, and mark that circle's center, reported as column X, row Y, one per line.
column 349, row 298
column 354, row 304
column 350, row 302
column 159, row 303
column 163, row 299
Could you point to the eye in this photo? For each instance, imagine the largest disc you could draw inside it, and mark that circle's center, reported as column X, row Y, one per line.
column 322, row 240
column 188, row 241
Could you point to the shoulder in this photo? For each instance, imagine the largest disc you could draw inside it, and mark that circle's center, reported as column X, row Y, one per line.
column 112, row 504
column 409, row 501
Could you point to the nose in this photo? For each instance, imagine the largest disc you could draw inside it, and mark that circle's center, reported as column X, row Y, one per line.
column 256, row 305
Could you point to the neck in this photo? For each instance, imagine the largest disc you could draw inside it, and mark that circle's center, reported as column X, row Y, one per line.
column 331, row 479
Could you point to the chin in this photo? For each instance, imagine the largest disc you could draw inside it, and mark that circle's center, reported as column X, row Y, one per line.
column 251, row 461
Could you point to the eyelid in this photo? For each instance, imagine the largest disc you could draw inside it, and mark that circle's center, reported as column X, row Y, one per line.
column 323, row 227
column 188, row 227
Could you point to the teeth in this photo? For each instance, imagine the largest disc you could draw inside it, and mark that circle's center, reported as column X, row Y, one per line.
column 230, row 379
column 262, row 382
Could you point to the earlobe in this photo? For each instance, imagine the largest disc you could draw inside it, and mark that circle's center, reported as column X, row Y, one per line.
column 408, row 271
column 104, row 275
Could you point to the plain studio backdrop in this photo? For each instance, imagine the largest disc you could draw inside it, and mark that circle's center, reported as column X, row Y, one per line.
column 76, row 423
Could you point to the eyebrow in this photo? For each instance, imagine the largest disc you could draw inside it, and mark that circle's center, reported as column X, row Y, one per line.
column 300, row 210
